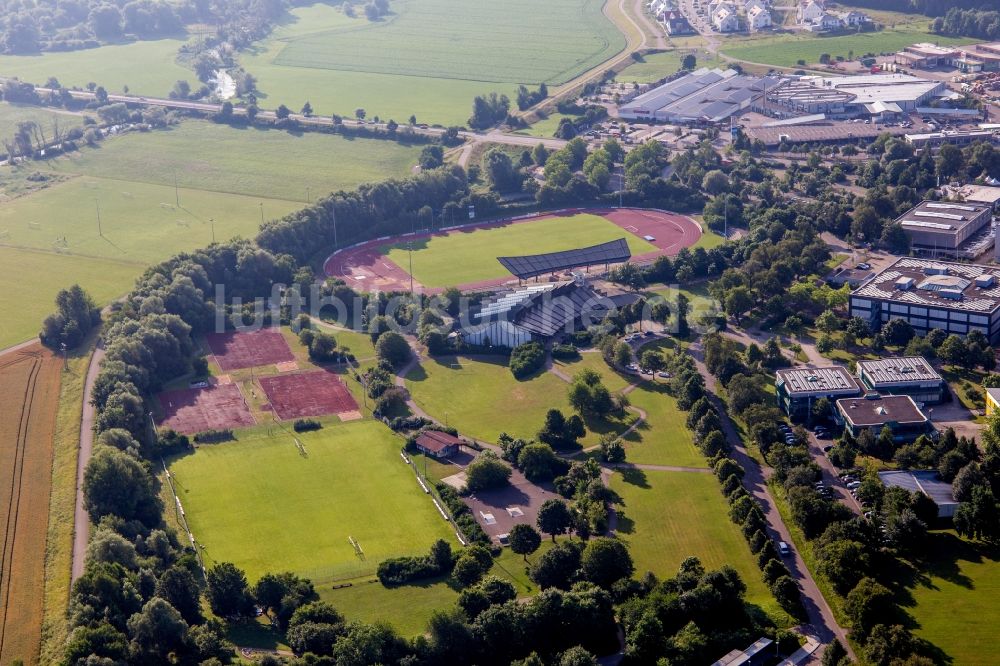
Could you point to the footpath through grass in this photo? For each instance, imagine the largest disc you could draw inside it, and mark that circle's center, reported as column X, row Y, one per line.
column 460, row 257
column 258, row 503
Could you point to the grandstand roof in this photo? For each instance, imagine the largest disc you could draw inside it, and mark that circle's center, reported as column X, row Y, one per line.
column 528, row 266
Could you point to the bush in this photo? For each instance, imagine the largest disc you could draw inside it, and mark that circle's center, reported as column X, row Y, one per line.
column 392, row 347
column 462, row 515
column 214, row 436
column 565, row 352
column 526, row 359
column 402, row 570
column 305, row 425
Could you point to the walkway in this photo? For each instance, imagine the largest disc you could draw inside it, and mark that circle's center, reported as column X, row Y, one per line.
column 81, row 520
column 821, row 622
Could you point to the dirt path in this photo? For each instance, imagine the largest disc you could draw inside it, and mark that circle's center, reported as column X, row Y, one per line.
column 821, row 622
column 81, row 521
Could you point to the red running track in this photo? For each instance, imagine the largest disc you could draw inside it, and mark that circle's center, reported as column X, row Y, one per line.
column 364, row 267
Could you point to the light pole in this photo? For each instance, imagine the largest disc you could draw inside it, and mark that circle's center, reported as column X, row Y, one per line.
column 262, row 212
column 211, row 221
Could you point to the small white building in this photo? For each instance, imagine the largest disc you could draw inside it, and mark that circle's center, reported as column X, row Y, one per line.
column 852, row 19
column 810, row 12
column 725, row 20
column 825, row 22
column 758, row 18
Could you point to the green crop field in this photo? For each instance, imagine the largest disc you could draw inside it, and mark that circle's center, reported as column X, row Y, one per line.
column 258, row 503
column 955, row 597
column 551, row 41
column 787, row 50
column 468, row 256
column 429, row 58
column 209, row 156
column 47, row 119
column 147, row 68
column 668, row 516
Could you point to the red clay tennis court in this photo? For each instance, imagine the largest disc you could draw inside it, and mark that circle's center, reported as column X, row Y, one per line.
column 307, row 394
column 194, row 410
column 234, row 350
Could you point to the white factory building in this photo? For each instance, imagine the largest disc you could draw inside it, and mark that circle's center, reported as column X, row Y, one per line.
column 703, row 96
column 847, row 96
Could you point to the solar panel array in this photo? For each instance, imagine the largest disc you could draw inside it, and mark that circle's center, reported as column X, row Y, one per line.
column 612, row 252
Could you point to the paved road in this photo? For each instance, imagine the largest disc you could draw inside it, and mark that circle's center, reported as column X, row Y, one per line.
column 821, row 622
column 81, row 521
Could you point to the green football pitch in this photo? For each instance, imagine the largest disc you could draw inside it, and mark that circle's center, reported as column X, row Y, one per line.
column 258, row 503
column 461, row 257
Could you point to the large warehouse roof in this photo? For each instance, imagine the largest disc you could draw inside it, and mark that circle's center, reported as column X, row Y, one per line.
column 612, row 252
column 940, row 284
column 706, row 95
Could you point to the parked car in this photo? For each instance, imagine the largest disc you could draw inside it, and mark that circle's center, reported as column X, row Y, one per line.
column 827, row 448
column 853, row 485
column 783, row 549
column 864, row 266
column 663, row 375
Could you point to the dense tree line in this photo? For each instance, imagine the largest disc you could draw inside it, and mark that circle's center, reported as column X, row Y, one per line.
column 927, row 7
column 981, row 23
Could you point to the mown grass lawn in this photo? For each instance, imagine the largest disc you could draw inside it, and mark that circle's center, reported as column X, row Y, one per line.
column 258, row 503
column 459, row 257
column 209, row 156
column 668, row 516
column 956, row 598
column 663, row 439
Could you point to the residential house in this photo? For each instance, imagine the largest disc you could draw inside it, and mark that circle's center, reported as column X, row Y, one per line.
column 758, row 18
column 852, row 19
column 725, row 20
column 809, row 12
column 826, row 22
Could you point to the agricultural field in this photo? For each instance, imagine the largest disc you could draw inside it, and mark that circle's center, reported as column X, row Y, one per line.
column 47, row 119
column 668, row 516
column 955, row 596
column 430, row 57
column 787, row 50
column 29, row 398
column 26, row 302
column 146, row 67
column 461, row 257
column 221, row 158
column 259, row 503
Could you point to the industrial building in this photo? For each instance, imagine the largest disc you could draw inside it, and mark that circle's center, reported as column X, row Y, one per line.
column 927, row 482
column 797, row 389
column 849, row 96
column 926, row 56
column 906, row 375
column 934, row 140
column 948, row 229
column 874, row 412
column 703, row 96
column 956, row 298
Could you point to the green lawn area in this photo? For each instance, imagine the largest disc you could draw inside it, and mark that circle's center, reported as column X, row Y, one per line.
column 482, row 399
column 147, row 67
column 140, row 222
column 430, row 58
column 30, row 280
column 956, row 598
column 668, row 516
column 460, row 257
column 221, row 158
column 258, row 503
column 408, row 608
column 655, row 66
column 787, row 50
column 12, row 114
column 663, row 439
column 614, row 380
column 546, row 127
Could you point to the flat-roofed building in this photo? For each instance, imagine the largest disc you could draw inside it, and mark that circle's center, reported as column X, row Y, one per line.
column 986, row 54
column 927, row 482
column 929, row 294
column 905, row 375
column 926, row 56
column 853, row 95
column 873, row 412
column 933, row 140
column 992, row 400
column 703, row 96
column 942, row 228
column 797, row 389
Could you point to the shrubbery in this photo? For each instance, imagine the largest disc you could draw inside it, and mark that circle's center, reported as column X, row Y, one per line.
column 305, row 425
column 526, row 359
column 402, row 570
column 214, row 436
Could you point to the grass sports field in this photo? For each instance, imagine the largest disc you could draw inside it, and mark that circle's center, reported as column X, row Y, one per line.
column 29, row 398
column 204, row 155
column 147, row 68
column 668, row 516
column 429, row 58
column 463, row 256
column 787, row 50
column 258, row 503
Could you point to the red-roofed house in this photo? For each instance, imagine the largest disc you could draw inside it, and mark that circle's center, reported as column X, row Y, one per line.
column 438, row 444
